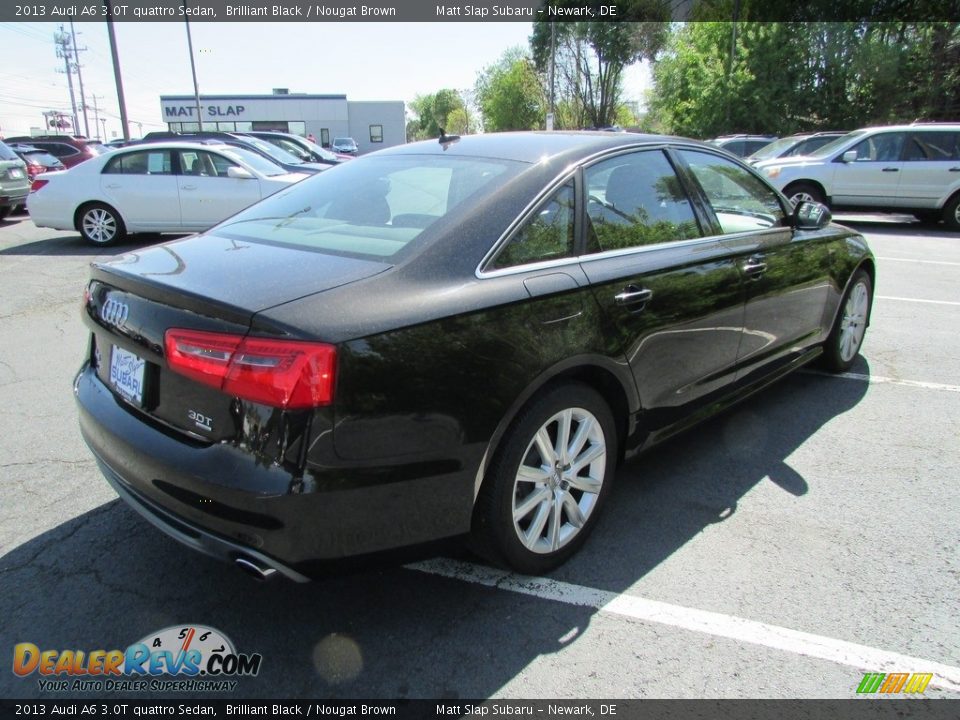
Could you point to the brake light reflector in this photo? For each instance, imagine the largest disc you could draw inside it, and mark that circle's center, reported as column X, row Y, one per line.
column 282, row 373
column 37, row 184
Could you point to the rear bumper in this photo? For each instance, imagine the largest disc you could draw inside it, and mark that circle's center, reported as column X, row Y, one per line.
column 190, row 535
column 12, row 198
column 226, row 501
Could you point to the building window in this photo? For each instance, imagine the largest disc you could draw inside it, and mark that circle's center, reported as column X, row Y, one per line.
column 244, row 126
column 210, row 126
column 325, row 137
column 174, row 127
column 190, row 127
column 376, row 133
column 226, row 126
column 297, row 127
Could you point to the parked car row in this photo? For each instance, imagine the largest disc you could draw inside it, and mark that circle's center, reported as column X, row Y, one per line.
column 155, row 187
column 902, row 168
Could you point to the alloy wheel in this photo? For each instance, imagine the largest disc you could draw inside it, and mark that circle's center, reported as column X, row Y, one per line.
column 99, row 225
column 854, row 322
column 559, row 480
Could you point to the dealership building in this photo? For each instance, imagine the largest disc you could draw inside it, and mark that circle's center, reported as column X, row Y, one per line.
column 373, row 124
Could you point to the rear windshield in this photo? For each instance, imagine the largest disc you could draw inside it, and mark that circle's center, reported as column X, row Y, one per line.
column 96, row 148
column 374, row 207
column 6, row 153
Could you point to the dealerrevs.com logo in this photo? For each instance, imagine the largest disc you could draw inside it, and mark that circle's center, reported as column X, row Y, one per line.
column 178, row 658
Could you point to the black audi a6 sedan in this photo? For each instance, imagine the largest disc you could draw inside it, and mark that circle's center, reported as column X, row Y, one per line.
column 452, row 337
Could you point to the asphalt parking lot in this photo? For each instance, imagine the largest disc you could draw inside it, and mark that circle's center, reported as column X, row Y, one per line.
column 781, row 550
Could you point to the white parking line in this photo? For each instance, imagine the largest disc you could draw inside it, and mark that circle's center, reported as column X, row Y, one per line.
column 917, row 300
column 925, row 262
column 842, row 652
column 880, row 379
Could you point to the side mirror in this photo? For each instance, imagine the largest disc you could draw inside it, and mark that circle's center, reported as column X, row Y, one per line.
column 849, row 156
column 239, row 173
column 811, row 216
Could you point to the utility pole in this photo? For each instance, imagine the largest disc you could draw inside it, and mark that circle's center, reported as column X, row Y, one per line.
column 62, row 41
column 116, row 73
column 96, row 114
column 553, row 71
column 76, row 64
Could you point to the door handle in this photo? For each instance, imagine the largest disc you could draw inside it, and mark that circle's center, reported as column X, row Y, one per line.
column 891, row 169
column 633, row 295
column 114, row 186
column 956, row 169
column 754, row 267
column 188, row 187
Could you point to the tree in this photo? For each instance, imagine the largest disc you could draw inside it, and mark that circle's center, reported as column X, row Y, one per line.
column 792, row 77
column 510, row 94
column 432, row 113
column 591, row 56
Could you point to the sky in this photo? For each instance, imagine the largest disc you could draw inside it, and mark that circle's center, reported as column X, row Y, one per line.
column 364, row 61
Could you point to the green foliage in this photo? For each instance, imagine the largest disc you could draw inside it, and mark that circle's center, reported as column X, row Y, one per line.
column 591, row 57
column 793, row 77
column 510, row 95
column 432, row 113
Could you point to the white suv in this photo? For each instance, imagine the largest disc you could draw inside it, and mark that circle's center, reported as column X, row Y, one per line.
column 897, row 168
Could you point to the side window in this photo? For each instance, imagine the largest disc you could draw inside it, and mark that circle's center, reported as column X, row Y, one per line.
column 932, row 145
column 156, row 162
column 740, row 200
column 548, row 235
column 635, row 200
column 203, row 164
column 885, row 147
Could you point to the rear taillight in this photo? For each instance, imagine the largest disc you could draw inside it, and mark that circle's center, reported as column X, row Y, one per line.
column 282, row 373
column 37, row 184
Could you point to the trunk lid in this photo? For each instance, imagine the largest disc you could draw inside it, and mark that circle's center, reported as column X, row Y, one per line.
column 206, row 283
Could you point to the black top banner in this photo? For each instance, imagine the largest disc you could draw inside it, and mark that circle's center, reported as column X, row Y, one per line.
column 478, row 11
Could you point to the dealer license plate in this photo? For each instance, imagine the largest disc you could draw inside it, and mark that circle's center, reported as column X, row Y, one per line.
column 126, row 374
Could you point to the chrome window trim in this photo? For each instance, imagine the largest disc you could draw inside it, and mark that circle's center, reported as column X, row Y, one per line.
column 626, row 252
column 570, row 172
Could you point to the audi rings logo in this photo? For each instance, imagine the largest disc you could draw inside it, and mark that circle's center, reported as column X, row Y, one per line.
column 114, row 313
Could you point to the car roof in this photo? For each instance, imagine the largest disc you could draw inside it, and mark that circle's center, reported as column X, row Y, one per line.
column 533, row 147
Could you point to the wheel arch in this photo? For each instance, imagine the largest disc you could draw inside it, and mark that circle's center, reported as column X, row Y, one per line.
column 805, row 181
column 611, row 380
column 81, row 208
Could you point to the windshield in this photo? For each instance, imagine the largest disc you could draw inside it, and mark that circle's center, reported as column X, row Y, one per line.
column 257, row 162
column 6, row 153
column 322, row 152
column 97, row 148
column 277, row 153
column 775, row 148
column 835, row 145
column 344, row 141
column 374, row 208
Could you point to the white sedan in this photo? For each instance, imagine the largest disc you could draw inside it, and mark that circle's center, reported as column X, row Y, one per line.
column 160, row 187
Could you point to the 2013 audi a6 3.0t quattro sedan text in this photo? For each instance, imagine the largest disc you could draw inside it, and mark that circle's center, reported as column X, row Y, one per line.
column 452, row 337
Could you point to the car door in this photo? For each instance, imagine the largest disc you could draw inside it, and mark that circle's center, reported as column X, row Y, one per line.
column 672, row 296
column 931, row 168
column 207, row 193
column 785, row 273
column 141, row 186
column 872, row 179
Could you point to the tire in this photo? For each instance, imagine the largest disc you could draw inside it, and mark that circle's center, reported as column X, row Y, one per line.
column 4, row 211
column 928, row 217
column 804, row 192
column 100, row 224
column 846, row 338
column 536, row 509
column 951, row 213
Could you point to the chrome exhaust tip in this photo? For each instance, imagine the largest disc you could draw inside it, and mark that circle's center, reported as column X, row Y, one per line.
column 256, row 569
